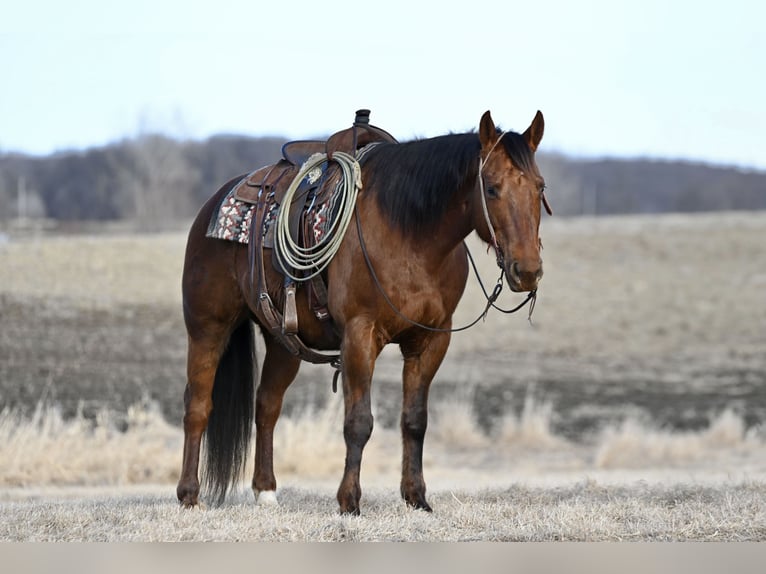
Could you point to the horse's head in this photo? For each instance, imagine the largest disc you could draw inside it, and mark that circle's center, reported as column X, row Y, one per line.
column 510, row 194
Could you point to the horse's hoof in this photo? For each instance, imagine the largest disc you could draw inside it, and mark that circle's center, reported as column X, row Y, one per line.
column 424, row 506
column 191, row 504
column 348, row 501
column 265, row 497
column 418, row 503
column 350, row 512
column 187, row 499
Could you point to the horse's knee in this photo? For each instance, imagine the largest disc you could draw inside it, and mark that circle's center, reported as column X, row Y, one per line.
column 414, row 423
column 266, row 412
column 358, row 427
column 196, row 417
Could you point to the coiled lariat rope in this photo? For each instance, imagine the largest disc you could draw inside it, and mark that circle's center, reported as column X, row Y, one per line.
column 313, row 260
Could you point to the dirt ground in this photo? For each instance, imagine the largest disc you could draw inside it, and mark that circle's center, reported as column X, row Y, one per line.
column 636, row 398
column 654, row 317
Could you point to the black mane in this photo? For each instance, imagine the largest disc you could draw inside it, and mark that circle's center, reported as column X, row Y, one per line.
column 414, row 182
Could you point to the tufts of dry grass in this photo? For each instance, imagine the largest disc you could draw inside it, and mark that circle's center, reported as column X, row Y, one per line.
column 114, row 482
column 634, row 444
column 583, row 511
column 46, row 449
column 142, row 448
column 532, row 428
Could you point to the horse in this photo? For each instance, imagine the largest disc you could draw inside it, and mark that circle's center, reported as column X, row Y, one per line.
column 398, row 274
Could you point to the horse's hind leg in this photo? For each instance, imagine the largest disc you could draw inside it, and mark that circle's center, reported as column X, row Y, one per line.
column 202, row 361
column 213, row 310
column 421, row 361
column 279, row 370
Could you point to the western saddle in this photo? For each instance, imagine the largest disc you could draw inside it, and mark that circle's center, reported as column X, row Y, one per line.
column 266, row 187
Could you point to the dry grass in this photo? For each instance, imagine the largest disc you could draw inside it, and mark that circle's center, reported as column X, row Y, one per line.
column 638, row 445
column 49, row 450
column 586, row 511
column 95, row 272
column 623, row 300
column 119, row 484
column 142, row 448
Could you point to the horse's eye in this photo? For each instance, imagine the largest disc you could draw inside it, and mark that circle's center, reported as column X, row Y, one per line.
column 491, row 192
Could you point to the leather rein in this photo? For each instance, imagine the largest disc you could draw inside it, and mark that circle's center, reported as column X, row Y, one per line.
column 490, row 297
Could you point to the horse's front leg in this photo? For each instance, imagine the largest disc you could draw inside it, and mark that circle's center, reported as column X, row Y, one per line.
column 359, row 351
column 279, row 370
column 422, row 358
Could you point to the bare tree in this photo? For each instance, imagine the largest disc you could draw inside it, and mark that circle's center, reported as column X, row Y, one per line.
column 161, row 183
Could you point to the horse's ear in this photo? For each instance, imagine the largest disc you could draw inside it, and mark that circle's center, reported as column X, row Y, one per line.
column 534, row 132
column 487, row 131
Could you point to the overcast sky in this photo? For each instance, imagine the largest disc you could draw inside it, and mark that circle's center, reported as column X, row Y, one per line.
column 657, row 78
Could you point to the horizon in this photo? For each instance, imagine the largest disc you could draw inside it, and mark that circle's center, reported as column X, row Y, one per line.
column 549, row 153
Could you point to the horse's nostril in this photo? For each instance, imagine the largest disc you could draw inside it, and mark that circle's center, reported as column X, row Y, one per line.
column 514, row 272
column 525, row 276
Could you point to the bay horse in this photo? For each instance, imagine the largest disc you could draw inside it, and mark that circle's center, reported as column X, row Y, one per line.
column 419, row 201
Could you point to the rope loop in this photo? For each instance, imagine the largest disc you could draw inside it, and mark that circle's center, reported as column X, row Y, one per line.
column 313, row 260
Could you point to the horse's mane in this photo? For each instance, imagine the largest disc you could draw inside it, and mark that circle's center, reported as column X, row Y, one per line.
column 414, row 182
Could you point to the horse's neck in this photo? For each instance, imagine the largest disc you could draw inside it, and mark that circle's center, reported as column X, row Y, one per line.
column 455, row 226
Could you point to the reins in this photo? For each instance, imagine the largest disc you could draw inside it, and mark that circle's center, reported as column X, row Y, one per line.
column 491, row 298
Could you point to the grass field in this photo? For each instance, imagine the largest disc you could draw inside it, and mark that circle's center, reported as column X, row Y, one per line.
column 631, row 409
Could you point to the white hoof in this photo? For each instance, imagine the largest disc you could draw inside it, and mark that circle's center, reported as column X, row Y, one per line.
column 266, row 498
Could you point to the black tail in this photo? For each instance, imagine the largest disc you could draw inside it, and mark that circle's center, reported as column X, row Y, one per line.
column 227, row 438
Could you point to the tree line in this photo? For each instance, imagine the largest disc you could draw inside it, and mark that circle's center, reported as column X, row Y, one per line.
column 153, row 180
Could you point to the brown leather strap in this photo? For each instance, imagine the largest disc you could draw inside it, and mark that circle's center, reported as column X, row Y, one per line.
column 290, row 318
column 265, row 309
column 318, row 298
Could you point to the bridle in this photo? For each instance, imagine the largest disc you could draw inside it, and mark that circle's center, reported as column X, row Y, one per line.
column 485, row 209
column 490, row 297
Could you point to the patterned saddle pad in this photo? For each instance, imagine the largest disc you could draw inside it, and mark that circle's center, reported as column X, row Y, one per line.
column 234, row 217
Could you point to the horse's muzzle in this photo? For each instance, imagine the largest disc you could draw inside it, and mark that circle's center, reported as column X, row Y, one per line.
column 524, row 276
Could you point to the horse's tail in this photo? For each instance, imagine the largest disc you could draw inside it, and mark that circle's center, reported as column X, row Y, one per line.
column 227, row 438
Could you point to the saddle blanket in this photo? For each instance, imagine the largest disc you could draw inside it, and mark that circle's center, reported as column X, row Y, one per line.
column 233, row 218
